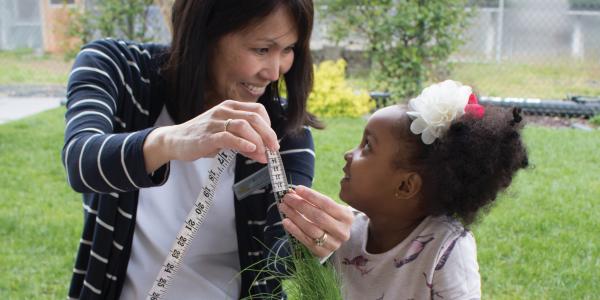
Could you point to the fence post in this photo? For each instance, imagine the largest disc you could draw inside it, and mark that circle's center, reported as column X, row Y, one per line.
column 499, row 30
column 577, row 42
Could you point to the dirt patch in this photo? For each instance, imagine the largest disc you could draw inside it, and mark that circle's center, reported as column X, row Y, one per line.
column 558, row 122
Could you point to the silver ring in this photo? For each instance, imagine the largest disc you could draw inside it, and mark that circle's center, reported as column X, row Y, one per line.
column 226, row 125
column 320, row 241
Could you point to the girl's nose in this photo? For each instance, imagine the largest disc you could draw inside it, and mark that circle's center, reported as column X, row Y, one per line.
column 348, row 155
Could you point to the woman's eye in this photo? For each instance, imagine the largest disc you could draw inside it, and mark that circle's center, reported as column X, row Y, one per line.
column 288, row 49
column 261, row 51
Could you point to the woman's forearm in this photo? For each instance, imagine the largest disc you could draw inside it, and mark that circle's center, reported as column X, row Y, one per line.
column 156, row 149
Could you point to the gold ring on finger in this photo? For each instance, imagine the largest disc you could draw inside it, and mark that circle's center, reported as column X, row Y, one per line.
column 320, row 241
column 226, row 125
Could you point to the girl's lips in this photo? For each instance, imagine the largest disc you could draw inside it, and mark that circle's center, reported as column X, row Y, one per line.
column 346, row 176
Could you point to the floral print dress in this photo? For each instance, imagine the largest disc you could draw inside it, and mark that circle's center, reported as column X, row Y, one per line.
column 438, row 260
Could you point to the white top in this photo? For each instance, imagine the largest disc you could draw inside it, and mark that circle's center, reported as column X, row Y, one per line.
column 438, row 260
column 211, row 266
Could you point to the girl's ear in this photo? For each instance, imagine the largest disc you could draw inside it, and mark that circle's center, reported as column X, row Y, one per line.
column 409, row 186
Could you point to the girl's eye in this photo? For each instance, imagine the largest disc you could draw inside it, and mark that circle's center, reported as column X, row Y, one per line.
column 366, row 145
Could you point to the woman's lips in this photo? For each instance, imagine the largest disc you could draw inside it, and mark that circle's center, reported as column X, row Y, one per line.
column 255, row 90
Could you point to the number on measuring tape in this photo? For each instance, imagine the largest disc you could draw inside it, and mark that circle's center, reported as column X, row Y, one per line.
column 277, row 173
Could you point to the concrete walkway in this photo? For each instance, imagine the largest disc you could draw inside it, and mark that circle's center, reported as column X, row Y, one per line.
column 21, row 100
column 14, row 108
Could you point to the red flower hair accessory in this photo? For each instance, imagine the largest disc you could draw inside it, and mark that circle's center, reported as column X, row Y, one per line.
column 473, row 108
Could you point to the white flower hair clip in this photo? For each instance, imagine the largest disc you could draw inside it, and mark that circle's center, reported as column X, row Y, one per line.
column 438, row 105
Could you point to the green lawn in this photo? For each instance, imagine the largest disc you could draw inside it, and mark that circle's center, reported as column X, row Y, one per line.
column 26, row 67
column 540, row 241
column 548, row 80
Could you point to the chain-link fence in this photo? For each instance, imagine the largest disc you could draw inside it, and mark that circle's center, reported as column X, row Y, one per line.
column 533, row 48
column 534, row 30
column 20, row 24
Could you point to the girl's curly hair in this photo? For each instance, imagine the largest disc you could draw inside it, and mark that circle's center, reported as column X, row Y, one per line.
column 464, row 170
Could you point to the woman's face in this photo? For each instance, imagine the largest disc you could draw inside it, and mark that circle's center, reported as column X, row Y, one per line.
column 244, row 63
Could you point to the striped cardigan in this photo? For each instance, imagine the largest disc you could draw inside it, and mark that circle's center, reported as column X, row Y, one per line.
column 115, row 94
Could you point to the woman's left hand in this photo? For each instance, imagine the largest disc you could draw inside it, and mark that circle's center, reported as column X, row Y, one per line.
column 315, row 220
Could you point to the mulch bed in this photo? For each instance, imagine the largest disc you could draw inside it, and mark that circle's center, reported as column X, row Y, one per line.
column 558, row 122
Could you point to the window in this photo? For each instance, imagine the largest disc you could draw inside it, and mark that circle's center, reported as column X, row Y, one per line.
column 27, row 11
column 61, row 2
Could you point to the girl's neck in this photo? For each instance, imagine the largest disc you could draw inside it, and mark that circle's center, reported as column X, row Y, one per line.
column 385, row 233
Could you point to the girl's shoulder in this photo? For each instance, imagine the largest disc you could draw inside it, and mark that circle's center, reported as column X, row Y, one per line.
column 452, row 237
column 444, row 226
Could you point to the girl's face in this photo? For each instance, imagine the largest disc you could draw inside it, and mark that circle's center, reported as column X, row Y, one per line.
column 371, row 175
column 244, row 63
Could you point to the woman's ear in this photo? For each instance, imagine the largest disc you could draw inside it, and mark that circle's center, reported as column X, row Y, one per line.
column 409, row 186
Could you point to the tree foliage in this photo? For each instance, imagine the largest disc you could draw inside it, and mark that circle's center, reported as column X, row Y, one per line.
column 126, row 19
column 408, row 41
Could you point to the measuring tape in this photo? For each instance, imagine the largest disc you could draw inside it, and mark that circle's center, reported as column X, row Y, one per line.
column 277, row 173
column 198, row 213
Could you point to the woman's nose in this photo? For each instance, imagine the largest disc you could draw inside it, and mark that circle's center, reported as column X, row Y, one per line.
column 272, row 69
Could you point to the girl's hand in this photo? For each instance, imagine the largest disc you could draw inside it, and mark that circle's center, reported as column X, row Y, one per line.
column 248, row 131
column 315, row 220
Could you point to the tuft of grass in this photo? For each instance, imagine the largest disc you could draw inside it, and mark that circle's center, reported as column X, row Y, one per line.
column 311, row 280
column 23, row 66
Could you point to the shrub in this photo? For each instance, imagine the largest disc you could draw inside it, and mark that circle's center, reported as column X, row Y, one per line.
column 123, row 19
column 595, row 120
column 333, row 97
column 408, row 41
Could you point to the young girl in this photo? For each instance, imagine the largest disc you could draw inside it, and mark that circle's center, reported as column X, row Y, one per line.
column 419, row 175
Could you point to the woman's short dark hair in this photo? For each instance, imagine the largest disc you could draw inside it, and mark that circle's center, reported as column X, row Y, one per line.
column 465, row 169
column 199, row 24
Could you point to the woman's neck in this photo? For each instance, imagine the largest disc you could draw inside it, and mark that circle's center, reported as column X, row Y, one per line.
column 387, row 232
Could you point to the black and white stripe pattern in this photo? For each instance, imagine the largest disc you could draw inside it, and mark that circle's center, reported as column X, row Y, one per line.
column 115, row 94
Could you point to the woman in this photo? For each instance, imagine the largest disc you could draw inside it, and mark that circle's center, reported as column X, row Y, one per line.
column 143, row 123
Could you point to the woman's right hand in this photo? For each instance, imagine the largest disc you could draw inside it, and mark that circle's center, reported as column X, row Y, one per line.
column 248, row 132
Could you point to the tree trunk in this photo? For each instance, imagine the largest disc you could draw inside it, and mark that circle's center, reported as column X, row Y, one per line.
column 165, row 9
